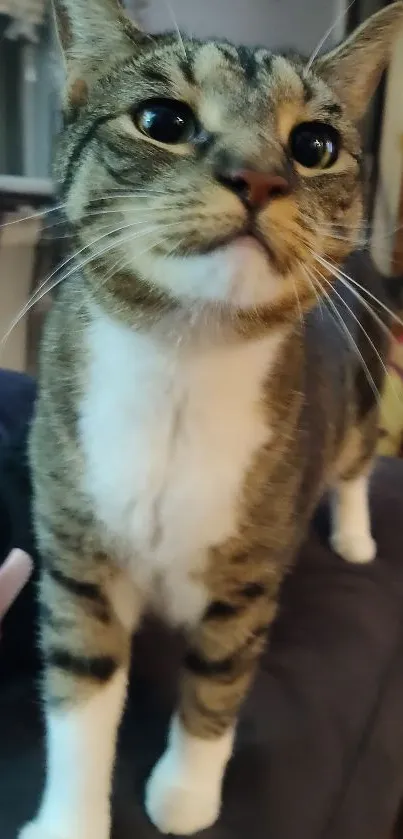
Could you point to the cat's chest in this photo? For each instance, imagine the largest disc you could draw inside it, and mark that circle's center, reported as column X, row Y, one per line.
column 168, row 437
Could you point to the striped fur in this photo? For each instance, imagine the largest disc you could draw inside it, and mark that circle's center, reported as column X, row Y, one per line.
column 188, row 420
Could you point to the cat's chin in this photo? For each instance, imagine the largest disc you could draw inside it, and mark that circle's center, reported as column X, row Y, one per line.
column 238, row 274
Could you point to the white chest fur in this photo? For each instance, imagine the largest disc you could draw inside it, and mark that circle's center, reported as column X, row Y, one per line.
column 168, row 435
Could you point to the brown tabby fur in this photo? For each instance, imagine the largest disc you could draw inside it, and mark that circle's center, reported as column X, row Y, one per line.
column 321, row 409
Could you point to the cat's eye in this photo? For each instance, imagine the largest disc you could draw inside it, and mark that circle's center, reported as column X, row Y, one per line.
column 166, row 121
column 315, row 145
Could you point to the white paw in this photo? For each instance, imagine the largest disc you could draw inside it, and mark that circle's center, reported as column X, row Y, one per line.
column 50, row 829
column 354, row 547
column 175, row 805
column 38, row 830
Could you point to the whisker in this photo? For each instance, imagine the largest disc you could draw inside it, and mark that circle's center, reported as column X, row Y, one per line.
column 364, row 331
column 125, row 261
column 42, row 291
column 367, row 306
column 352, row 343
column 50, row 210
column 363, row 227
column 309, row 278
column 337, row 272
column 65, row 263
column 139, row 194
column 118, row 192
column 178, row 32
column 301, row 320
column 142, row 213
column 118, row 265
column 327, row 34
column 40, row 214
column 115, row 243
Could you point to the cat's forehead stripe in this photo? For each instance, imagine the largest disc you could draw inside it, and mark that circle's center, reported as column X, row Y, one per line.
column 211, row 65
column 218, row 76
column 250, row 66
column 223, row 57
column 208, row 61
column 287, row 80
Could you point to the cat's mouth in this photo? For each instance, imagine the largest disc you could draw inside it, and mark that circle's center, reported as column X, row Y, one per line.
column 248, row 236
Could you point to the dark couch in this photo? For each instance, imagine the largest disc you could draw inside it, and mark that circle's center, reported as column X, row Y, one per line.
column 320, row 748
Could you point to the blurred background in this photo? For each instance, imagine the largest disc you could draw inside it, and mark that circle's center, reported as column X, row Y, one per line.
column 29, row 119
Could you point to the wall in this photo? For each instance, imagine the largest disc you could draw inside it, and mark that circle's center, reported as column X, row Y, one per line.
column 273, row 23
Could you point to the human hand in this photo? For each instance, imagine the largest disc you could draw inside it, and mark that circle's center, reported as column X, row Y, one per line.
column 14, row 574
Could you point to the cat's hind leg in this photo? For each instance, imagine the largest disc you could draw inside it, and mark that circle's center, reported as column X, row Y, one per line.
column 351, row 524
column 86, row 631
column 351, row 520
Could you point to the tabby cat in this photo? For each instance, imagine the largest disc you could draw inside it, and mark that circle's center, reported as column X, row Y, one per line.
column 195, row 399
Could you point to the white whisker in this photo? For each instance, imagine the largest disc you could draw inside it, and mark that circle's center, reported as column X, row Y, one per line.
column 364, row 331
column 352, row 343
column 143, row 194
column 327, row 34
column 124, row 262
column 337, row 272
column 363, row 302
column 178, row 32
column 142, row 213
column 301, row 319
column 31, row 216
column 309, row 278
column 32, row 301
column 42, row 291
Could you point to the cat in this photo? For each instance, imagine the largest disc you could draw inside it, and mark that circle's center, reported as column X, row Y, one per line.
column 196, row 398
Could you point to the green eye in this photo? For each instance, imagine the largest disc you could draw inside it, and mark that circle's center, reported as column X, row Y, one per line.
column 315, row 145
column 166, row 121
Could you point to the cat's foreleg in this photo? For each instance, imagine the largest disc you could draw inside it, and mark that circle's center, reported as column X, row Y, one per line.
column 184, row 791
column 86, row 630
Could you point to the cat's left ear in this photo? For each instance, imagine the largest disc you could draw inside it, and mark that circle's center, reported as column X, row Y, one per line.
column 92, row 34
column 353, row 70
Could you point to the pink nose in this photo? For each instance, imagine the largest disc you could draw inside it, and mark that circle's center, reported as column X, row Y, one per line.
column 254, row 188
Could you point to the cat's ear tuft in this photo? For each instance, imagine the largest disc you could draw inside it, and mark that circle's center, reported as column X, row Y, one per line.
column 89, row 33
column 353, row 70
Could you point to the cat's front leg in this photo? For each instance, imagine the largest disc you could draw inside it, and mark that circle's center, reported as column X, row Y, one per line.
column 184, row 792
column 86, row 650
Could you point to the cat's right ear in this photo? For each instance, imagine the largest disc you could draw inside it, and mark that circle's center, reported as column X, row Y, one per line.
column 89, row 33
column 354, row 68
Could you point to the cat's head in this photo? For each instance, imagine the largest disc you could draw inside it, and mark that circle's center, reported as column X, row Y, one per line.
column 203, row 173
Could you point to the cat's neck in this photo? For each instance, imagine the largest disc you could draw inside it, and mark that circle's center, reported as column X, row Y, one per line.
column 205, row 329
column 138, row 304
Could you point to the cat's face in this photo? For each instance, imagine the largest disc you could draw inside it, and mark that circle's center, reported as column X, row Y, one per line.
column 211, row 173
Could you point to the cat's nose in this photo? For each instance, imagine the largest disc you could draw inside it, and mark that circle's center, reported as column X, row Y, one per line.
column 254, row 188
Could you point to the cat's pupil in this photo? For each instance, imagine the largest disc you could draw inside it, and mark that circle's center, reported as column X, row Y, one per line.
column 315, row 145
column 166, row 121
